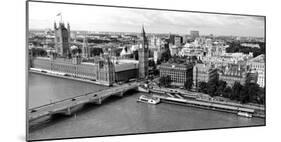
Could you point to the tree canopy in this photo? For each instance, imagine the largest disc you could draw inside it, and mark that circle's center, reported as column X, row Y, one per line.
column 96, row 51
column 39, row 52
column 165, row 81
column 236, row 47
column 248, row 93
column 188, row 84
column 166, row 55
column 202, row 87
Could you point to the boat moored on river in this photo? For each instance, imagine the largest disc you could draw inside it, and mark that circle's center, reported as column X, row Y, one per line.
column 147, row 99
column 245, row 114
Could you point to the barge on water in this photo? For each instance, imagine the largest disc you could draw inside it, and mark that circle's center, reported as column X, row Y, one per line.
column 241, row 111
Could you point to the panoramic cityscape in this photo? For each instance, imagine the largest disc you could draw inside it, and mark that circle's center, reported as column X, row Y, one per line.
column 131, row 71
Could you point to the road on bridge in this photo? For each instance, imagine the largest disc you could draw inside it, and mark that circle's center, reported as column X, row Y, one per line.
column 67, row 104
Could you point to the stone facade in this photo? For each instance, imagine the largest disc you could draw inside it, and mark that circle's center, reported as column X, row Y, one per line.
column 102, row 70
column 203, row 73
column 62, row 39
column 258, row 64
column 85, row 49
column 179, row 73
column 143, row 56
column 236, row 73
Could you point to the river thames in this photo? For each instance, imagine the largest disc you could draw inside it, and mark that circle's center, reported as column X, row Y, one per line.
column 118, row 115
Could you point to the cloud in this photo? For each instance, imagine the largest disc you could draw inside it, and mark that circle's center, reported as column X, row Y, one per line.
column 122, row 19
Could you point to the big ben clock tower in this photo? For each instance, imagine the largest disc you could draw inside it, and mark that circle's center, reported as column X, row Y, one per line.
column 143, row 56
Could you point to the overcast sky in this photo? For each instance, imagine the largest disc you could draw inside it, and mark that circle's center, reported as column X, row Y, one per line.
column 96, row 18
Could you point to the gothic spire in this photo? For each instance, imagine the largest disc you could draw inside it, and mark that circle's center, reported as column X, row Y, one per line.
column 68, row 27
column 55, row 25
column 85, row 41
column 143, row 32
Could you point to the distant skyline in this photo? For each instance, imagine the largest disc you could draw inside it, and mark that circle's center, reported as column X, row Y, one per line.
column 113, row 19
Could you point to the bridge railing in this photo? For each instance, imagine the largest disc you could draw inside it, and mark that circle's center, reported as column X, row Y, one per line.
column 71, row 102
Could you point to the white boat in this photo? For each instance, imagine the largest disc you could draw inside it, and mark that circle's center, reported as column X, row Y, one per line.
column 142, row 89
column 245, row 114
column 150, row 100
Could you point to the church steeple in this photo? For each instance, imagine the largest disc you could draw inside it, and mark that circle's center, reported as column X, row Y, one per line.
column 143, row 37
column 68, row 26
column 143, row 31
column 68, row 30
column 55, row 25
column 85, row 48
column 143, row 34
column 85, row 40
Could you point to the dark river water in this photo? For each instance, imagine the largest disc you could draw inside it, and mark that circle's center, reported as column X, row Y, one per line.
column 118, row 115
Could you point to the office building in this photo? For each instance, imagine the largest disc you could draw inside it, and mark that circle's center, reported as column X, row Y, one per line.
column 179, row 73
column 236, row 73
column 258, row 64
column 194, row 34
column 203, row 73
column 175, row 40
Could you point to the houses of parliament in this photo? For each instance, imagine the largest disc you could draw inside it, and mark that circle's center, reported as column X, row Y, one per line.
column 102, row 69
